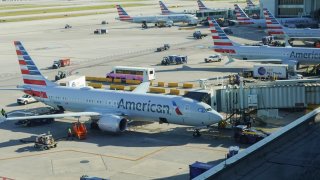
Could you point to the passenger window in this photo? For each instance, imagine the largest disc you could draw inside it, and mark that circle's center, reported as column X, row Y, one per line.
column 151, row 72
column 187, row 107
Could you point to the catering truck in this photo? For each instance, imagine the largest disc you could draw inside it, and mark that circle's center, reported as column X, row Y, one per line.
column 73, row 81
column 278, row 71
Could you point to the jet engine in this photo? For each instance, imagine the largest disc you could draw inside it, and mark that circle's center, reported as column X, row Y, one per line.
column 112, row 123
column 293, row 64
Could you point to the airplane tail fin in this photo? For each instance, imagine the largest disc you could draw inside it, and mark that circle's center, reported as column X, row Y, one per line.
column 273, row 26
column 241, row 16
column 123, row 15
column 164, row 8
column 221, row 42
column 250, row 3
column 201, row 5
column 30, row 73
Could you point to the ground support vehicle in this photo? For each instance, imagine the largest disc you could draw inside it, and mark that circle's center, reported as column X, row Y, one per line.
column 199, row 35
column 60, row 75
column 45, row 142
column 213, row 58
column 100, row 31
column 163, row 48
column 67, row 26
column 245, row 135
column 61, row 63
column 79, row 130
column 174, row 59
column 26, row 99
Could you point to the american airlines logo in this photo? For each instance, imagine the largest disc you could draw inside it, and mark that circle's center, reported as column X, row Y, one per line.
column 312, row 55
column 145, row 107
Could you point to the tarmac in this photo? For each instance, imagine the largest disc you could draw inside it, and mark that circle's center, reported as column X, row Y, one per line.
column 145, row 151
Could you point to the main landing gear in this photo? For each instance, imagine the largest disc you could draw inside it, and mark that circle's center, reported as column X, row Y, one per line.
column 196, row 133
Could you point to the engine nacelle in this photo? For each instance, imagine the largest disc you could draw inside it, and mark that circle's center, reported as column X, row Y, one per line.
column 112, row 123
column 293, row 64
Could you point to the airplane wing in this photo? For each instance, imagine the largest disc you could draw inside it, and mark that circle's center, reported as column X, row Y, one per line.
column 142, row 88
column 264, row 60
column 12, row 89
column 76, row 114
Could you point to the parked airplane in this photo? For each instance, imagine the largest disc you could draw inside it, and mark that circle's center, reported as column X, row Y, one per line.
column 274, row 28
column 293, row 56
column 157, row 19
column 111, row 109
column 244, row 19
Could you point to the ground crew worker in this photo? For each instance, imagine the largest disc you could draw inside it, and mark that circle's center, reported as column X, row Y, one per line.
column 69, row 133
column 3, row 112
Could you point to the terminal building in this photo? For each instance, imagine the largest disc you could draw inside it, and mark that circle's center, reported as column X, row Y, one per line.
column 293, row 8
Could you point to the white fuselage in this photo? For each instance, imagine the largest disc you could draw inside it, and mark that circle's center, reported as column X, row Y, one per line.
column 186, row 18
column 303, row 33
column 148, row 107
column 300, row 55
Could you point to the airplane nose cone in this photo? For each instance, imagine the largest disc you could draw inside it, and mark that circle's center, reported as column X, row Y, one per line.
column 217, row 117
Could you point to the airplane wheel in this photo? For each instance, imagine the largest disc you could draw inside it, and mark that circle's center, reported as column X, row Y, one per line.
column 196, row 133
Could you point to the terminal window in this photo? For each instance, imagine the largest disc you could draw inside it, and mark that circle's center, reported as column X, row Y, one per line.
column 290, row 11
column 291, row 2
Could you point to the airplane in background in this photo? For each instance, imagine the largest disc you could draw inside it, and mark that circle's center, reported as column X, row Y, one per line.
column 274, row 28
column 243, row 19
column 110, row 109
column 202, row 7
column 166, row 11
column 168, row 20
column 250, row 4
column 293, row 56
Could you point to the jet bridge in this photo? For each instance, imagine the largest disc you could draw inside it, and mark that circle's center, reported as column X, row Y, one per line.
column 291, row 94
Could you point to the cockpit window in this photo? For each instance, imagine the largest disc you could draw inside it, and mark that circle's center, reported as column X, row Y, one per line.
column 209, row 109
column 203, row 110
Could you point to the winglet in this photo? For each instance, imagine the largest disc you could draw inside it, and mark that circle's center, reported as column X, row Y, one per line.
column 144, row 86
column 230, row 60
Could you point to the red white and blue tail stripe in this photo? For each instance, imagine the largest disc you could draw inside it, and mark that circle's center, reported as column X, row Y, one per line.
column 273, row 26
column 30, row 73
column 241, row 16
column 123, row 15
column 250, row 4
column 176, row 108
column 164, row 9
column 221, row 42
column 201, row 5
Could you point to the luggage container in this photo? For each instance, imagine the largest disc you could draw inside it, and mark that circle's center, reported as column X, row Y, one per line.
column 198, row 168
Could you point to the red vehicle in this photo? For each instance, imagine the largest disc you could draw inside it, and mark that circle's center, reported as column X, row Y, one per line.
column 61, row 63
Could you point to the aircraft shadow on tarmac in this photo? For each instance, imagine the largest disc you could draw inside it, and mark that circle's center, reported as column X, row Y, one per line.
column 152, row 138
column 245, row 32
